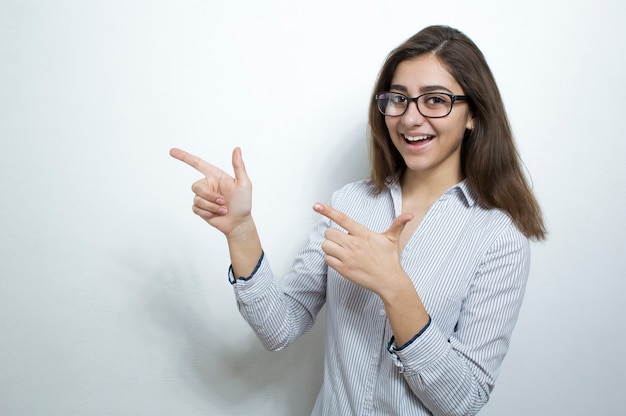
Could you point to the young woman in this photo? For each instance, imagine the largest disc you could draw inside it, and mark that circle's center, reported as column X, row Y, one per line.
column 423, row 267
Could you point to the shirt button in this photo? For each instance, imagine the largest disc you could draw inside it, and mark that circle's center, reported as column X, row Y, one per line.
column 381, row 312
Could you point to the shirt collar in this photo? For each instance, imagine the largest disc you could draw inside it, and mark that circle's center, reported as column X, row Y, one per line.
column 466, row 191
column 462, row 188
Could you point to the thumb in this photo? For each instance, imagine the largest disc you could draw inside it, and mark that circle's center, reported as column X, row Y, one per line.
column 396, row 228
column 239, row 167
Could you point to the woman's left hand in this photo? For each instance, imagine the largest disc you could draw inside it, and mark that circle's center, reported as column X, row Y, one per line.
column 362, row 256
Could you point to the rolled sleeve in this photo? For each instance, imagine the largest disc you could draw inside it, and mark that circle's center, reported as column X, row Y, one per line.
column 426, row 348
column 249, row 288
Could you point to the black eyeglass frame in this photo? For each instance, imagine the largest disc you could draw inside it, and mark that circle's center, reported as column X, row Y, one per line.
column 453, row 98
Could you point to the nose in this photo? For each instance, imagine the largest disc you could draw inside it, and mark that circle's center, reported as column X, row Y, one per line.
column 412, row 116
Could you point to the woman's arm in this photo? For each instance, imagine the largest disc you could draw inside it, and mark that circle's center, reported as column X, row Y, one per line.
column 225, row 203
column 454, row 374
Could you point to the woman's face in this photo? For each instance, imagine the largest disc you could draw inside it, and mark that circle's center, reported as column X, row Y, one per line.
column 429, row 146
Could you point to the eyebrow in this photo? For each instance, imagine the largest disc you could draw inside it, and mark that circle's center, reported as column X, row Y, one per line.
column 425, row 89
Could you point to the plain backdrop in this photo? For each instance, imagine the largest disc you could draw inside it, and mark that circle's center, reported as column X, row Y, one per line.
column 113, row 294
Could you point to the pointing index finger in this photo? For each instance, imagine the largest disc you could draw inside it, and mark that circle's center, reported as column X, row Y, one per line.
column 192, row 160
column 338, row 217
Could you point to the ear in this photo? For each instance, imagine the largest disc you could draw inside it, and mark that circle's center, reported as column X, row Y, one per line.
column 469, row 125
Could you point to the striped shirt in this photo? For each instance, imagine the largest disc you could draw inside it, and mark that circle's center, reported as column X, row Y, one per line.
column 469, row 266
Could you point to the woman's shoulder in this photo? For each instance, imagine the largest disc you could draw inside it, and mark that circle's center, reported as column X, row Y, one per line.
column 490, row 222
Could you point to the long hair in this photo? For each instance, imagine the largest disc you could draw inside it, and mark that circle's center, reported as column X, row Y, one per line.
column 489, row 159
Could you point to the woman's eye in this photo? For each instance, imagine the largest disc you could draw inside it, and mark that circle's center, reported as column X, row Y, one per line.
column 397, row 98
column 436, row 99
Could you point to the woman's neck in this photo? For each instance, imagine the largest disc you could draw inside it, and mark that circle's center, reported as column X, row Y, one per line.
column 428, row 185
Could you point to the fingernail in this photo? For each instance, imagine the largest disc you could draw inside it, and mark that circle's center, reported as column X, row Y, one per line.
column 318, row 207
column 219, row 201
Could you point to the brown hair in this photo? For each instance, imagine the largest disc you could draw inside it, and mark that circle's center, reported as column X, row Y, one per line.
column 489, row 158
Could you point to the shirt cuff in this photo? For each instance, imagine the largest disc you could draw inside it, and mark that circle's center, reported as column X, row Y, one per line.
column 251, row 288
column 391, row 344
column 231, row 273
column 420, row 352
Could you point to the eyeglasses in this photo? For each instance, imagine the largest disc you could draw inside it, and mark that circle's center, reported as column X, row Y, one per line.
column 432, row 104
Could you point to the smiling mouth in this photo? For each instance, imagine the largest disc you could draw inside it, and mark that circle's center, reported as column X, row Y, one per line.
column 414, row 139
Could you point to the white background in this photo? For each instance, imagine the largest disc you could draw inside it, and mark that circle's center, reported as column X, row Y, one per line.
column 113, row 295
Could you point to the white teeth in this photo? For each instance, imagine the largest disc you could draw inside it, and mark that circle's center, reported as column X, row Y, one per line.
column 416, row 138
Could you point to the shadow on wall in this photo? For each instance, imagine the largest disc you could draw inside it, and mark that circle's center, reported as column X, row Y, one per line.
column 348, row 163
column 193, row 316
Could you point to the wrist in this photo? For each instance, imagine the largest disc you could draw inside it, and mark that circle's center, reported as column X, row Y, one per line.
column 242, row 232
column 245, row 248
column 397, row 286
column 405, row 311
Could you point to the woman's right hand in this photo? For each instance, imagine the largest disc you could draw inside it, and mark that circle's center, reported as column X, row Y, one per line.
column 221, row 200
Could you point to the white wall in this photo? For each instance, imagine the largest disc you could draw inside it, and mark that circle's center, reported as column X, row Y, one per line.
column 113, row 295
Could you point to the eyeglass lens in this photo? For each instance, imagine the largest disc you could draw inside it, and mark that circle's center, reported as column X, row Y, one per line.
column 429, row 105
